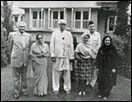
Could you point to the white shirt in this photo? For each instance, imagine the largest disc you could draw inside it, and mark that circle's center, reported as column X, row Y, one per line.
column 61, row 44
column 22, row 39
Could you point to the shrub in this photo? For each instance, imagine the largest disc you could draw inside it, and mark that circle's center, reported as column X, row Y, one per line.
column 123, row 46
column 4, row 50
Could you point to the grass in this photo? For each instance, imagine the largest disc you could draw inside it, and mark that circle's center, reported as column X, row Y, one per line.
column 120, row 92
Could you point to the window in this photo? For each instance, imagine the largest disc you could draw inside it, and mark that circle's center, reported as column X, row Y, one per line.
column 16, row 19
column 34, row 14
column 22, row 17
column 34, row 19
column 81, row 19
column 55, row 19
column 129, row 20
column 37, row 19
column 61, row 15
column 111, row 23
column 56, row 16
column 78, row 19
column 85, row 19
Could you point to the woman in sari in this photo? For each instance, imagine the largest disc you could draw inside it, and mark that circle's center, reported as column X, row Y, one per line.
column 84, row 69
column 39, row 53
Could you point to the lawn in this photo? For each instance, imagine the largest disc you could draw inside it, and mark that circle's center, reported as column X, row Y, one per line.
column 121, row 92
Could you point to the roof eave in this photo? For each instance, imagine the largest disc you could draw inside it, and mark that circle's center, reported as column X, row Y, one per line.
column 60, row 7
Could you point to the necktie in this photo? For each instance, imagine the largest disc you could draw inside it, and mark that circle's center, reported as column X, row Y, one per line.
column 23, row 40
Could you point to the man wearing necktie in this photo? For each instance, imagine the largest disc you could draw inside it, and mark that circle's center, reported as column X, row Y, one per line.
column 19, row 44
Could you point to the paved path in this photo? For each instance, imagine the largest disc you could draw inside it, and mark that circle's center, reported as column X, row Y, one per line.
column 122, row 92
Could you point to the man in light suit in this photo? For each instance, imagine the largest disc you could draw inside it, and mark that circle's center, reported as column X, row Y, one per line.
column 19, row 45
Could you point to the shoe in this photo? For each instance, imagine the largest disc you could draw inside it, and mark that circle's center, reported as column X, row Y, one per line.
column 87, row 83
column 80, row 93
column 84, row 93
column 16, row 96
column 68, row 92
column 25, row 93
column 90, row 86
column 56, row 92
column 99, row 96
column 105, row 98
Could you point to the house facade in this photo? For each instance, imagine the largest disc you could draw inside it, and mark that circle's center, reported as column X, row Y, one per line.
column 43, row 16
column 17, row 14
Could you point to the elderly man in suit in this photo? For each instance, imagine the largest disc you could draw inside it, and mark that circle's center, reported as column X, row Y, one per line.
column 19, row 44
column 62, row 54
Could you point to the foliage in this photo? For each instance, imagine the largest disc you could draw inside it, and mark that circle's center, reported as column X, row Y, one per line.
column 122, row 38
column 6, row 27
column 122, row 18
column 8, row 23
column 124, row 60
column 4, row 49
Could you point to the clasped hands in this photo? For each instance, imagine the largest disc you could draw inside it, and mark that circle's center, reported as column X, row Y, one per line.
column 54, row 59
column 41, row 55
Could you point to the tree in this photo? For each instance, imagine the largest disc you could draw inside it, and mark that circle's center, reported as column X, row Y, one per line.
column 122, row 28
column 122, row 18
column 123, row 32
column 7, row 24
column 6, row 27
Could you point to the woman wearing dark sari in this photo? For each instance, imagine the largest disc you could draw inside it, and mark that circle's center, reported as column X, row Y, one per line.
column 39, row 53
column 106, row 62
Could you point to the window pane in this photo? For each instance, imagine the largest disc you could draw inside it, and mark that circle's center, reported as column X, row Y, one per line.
column 40, row 15
column 34, row 23
column 16, row 19
column 111, row 23
column 77, row 24
column 61, row 15
column 34, row 14
column 78, row 15
column 85, row 24
column 40, row 22
column 22, row 18
column 55, row 23
column 85, row 15
column 55, row 14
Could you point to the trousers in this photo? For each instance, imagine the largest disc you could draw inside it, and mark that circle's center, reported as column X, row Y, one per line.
column 56, row 79
column 19, row 78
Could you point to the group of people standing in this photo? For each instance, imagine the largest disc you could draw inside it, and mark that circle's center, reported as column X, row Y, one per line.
column 84, row 59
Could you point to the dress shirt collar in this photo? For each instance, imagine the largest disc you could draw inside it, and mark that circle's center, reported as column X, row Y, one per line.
column 21, row 34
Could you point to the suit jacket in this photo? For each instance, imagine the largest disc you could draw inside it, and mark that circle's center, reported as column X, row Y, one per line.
column 19, row 52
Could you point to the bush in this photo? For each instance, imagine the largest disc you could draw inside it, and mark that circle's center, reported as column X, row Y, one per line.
column 4, row 50
column 123, row 46
column 6, row 27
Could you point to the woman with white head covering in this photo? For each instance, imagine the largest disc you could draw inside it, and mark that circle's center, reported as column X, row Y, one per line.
column 84, row 69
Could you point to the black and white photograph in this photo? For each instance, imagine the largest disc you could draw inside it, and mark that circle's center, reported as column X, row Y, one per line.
column 65, row 50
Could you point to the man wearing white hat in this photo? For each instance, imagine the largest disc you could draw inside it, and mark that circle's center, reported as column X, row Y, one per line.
column 62, row 54
column 19, row 44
